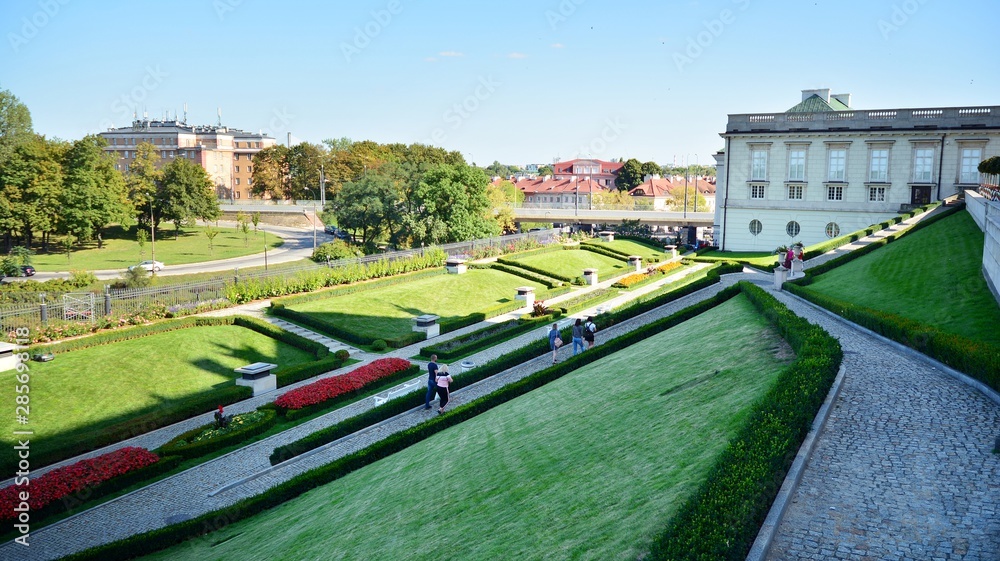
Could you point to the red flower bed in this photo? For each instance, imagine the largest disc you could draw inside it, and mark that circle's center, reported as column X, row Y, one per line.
column 70, row 479
column 334, row 386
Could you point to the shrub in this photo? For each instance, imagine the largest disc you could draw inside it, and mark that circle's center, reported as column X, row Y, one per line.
column 206, row 439
column 332, row 251
column 379, row 345
column 342, row 355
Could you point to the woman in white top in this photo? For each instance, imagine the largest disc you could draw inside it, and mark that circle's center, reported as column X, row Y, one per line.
column 443, row 379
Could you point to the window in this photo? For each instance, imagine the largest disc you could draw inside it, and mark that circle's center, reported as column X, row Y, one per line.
column 237, row 169
column 832, row 230
column 879, row 168
column 756, row 191
column 838, row 165
column 755, row 226
column 797, row 165
column 795, row 192
column 835, row 193
column 876, row 194
column 163, row 153
column 758, row 165
column 792, row 229
column 237, row 180
column 236, row 156
column 237, row 193
column 249, row 169
column 923, row 165
column 969, row 170
column 249, row 181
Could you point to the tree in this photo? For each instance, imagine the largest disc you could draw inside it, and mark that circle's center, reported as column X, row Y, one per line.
column 503, row 197
column 31, row 183
column 452, row 205
column 270, row 172
column 67, row 245
column 210, row 233
column 245, row 228
column 141, row 237
column 617, row 200
column 629, row 176
column 651, row 168
column 143, row 179
column 677, row 194
column 304, row 161
column 255, row 218
column 368, row 207
column 186, row 193
column 15, row 124
column 94, row 194
column 545, row 170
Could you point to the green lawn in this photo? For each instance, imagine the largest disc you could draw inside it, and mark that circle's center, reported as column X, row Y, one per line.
column 81, row 392
column 932, row 275
column 571, row 263
column 756, row 258
column 385, row 312
column 588, row 467
column 121, row 250
column 634, row 248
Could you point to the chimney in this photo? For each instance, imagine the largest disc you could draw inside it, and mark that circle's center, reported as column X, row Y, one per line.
column 843, row 98
column 822, row 93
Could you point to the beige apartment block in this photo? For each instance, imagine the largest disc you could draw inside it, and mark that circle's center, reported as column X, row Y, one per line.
column 823, row 169
column 225, row 153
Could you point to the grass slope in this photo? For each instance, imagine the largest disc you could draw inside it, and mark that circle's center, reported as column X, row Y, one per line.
column 632, row 247
column 121, row 250
column 932, row 275
column 385, row 312
column 571, row 263
column 588, row 467
column 93, row 388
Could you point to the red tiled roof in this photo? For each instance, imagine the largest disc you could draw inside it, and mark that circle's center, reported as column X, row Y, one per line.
column 563, row 168
column 542, row 185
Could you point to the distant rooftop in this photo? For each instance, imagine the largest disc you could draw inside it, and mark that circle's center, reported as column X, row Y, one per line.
column 177, row 126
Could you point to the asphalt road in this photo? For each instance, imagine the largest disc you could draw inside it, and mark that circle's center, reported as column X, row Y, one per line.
column 298, row 245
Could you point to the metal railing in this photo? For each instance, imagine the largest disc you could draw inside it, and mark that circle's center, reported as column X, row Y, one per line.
column 123, row 301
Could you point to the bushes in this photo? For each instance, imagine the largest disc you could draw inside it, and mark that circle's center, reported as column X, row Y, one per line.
column 542, row 279
column 605, row 251
column 533, row 269
column 179, row 445
column 328, row 388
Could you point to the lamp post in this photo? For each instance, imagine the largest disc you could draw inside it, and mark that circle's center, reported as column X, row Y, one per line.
column 696, row 183
column 152, row 232
column 686, row 173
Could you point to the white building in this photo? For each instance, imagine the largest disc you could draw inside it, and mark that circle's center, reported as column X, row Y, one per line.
column 822, row 169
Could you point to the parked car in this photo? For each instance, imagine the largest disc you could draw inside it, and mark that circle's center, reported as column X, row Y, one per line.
column 27, row 271
column 151, row 266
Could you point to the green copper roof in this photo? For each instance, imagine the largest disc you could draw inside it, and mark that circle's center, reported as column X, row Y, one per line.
column 815, row 104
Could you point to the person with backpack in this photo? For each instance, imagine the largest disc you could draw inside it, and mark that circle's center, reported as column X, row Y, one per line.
column 578, row 337
column 589, row 329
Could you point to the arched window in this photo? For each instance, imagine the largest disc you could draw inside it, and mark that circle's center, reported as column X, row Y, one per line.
column 832, row 230
column 792, row 229
column 755, row 226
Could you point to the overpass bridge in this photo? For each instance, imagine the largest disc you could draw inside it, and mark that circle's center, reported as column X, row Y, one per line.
column 571, row 215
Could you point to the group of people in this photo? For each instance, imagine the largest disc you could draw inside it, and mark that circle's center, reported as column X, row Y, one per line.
column 582, row 331
column 438, row 381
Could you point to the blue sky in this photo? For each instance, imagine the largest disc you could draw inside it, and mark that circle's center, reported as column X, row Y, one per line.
column 514, row 81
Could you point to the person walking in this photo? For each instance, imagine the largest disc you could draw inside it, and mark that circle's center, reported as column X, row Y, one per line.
column 554, row 341
column 432, row 370
column 589, row 329
column 443, row 381
column 578, row 337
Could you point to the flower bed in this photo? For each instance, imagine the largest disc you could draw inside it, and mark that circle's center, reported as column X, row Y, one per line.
column 651, row 273
column 334, row 386
column 208, row 438
column 64, row 481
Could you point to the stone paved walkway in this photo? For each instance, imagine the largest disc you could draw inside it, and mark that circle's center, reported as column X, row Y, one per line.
column 903, row 468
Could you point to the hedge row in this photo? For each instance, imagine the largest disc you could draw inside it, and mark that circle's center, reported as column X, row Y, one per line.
column 605, row 251
column 722, row 519
column 544, row 280
column 299, row 372
column 171, row 535
column 533, row 269
column 197, row 449
column 256, row 288
column 356, row 287
column 487, row 337
column 116, row 336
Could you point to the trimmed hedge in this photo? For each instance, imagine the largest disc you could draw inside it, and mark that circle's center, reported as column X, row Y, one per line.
column 356, row 287
column 605, row 251
column 544, row 280
column 297, row 373
column 487, row 337
column 533, row 269
column 188, row 451
column 722, row 519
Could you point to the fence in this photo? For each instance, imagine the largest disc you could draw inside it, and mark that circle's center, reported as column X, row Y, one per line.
column 131, row 300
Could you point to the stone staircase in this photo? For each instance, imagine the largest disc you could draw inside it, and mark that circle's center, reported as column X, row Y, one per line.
column 331, row 344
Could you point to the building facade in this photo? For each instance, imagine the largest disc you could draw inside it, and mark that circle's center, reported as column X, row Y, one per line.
column 822, row 169
column 225, row 153
column 604, row 173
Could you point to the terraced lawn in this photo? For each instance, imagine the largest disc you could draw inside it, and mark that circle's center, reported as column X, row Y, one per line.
column 590, row 466
column 571, row 263
column 83, row 392
column 932, row 275
column 385, row 312
column 631, row 247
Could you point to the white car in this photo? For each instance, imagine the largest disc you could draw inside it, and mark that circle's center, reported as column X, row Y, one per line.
column 151, row 266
